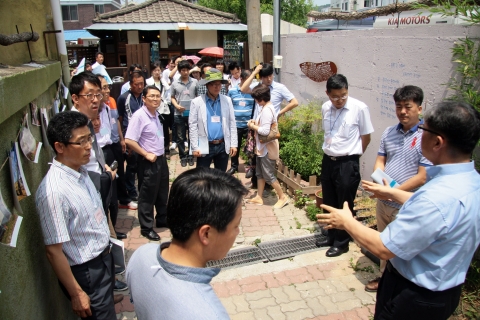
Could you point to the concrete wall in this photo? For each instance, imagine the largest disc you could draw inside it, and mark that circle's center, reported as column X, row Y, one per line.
column 375, row 62
column 28, row 286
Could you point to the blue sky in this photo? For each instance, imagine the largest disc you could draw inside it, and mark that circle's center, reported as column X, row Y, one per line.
column 321, row 2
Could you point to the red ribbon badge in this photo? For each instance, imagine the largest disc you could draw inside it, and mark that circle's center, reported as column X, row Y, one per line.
column 414, row 142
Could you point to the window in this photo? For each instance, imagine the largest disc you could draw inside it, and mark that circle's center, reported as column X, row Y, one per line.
column 346, row 6
column 366, row 3
column 69, row 13
column 99, row 8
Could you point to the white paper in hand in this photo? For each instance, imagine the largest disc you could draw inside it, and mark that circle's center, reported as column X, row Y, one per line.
column 379, row 175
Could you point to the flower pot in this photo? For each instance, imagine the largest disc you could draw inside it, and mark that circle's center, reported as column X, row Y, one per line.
column 318, row 198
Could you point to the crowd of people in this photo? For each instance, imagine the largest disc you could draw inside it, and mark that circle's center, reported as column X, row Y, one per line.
column 428, row 226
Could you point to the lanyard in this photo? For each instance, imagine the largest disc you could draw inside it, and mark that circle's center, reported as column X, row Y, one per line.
column 332, row 125
column 213, row 106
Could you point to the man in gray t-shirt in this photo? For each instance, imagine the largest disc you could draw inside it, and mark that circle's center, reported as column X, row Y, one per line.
column 171, row 281
column 183, row 91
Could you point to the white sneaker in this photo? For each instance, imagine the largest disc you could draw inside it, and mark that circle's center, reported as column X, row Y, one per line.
column 131, row 206
column 186, row 144
column 173, row 146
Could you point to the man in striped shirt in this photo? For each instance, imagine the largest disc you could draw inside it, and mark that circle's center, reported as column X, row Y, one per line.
column 400, row 156
column 73, row 221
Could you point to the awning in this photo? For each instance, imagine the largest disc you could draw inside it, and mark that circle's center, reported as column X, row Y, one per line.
column 168, row 26
column 74, row 35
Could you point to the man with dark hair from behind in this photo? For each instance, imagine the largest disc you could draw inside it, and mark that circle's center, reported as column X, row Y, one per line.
column 437, row 230
column 73, row 221
column 347, row 127
column 171, row 281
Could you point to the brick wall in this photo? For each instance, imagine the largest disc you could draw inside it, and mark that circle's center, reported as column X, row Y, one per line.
column 86, row 13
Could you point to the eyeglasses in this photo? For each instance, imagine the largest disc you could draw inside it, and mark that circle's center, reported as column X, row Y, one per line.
column 421, row 127
column 154, row 97
column 83, row 143
column 339, row 98
column 91, row 96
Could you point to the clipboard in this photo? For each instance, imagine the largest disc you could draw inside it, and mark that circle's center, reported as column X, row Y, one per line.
column 118, row 252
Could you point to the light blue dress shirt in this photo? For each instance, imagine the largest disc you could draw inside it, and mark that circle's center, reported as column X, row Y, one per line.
column 214, row 109
column 438, row 229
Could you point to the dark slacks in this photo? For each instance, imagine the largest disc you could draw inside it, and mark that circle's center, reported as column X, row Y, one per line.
column 340, row 179
column 113, row 205
column 241, row 134
column 122, row 194
column 181, row 124
column 399, row 298
column 130, row 171
column 97, row 278
column 153, row 186
column 217, row 154
column 166, row 133
column 172, row 123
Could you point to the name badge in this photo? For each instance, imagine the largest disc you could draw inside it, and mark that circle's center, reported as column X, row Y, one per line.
column 215, row 119
column 187, row 92
column 242, row 103
column 99, row 215
column 159, row 134
column 103, row 131
column 113, row 121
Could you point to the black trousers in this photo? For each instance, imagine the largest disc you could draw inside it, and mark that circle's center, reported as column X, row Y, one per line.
column 340, row 179
column 153, row 187
column 399, row 298
column 113, row 205
column 97, row 278
column 122, row 194
column 166, row 133
column 241, row 134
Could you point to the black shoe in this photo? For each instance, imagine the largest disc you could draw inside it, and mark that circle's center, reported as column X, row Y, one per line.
column 323, row 243
column 120, row 286
column 133, row 197
column 191, row 162
column 183, row 162
column 160, row 224
column 119, row 270
column 249, row 173
column 232, row 171
column 151, row 235
column 335, row 252
column 121, row 235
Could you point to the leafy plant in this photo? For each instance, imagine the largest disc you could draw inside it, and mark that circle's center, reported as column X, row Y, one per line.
column 300, row 199
column 302, row 139
column 299, row 225
column 312, row 212
column 256, row 242
column 356, row 267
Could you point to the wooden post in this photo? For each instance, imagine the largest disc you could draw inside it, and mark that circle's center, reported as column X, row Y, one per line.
column 255, row 47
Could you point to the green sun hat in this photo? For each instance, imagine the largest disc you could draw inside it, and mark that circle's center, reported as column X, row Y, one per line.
column 213, row 75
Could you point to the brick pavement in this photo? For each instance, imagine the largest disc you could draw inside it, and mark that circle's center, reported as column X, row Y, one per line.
column 307, row 286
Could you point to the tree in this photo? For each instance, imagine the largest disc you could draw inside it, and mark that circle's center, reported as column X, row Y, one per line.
column 293, row 11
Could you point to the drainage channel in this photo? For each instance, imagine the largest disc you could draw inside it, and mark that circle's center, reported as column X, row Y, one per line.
column 268, row 251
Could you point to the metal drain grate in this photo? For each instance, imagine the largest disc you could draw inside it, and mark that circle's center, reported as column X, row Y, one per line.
column 239, row 257
column 276, row 250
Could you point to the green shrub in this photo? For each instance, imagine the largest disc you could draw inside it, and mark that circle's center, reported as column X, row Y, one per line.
column 302, row 138
column 312, row 212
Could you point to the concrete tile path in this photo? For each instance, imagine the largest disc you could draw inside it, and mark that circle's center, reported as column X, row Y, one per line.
column 307, row 286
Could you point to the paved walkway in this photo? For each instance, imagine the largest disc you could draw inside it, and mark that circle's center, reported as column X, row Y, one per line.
column 307, row 286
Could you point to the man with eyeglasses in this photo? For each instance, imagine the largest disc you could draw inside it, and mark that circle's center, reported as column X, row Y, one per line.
column 145, row 137
column 432, row 241
column 400, row 157
column 127, row 104
column 347, row 127
column 74, row 224
column 212, row 124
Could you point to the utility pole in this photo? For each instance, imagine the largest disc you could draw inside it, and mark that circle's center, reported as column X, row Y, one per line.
column 255, row 46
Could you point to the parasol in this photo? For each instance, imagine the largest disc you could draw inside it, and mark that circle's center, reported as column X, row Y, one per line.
column 216, row 52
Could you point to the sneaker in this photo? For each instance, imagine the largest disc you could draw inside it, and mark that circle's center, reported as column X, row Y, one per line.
column 130, row 206
column 120, row 286
column 280, row 204
column 183, row 162
column 191, row 162
column 119, row 270
column 173, row 146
